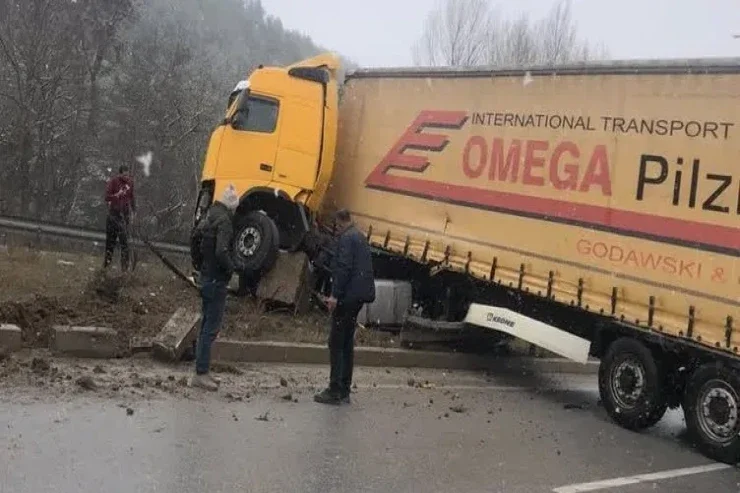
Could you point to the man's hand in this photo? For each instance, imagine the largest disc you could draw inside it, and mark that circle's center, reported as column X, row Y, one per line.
column 331, row 303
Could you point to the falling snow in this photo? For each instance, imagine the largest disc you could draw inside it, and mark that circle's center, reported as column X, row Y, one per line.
column 146, row 161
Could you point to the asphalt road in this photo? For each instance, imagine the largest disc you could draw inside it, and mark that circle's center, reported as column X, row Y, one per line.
column 461, row 432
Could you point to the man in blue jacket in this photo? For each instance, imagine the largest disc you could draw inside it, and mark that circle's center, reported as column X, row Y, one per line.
column 353, row 285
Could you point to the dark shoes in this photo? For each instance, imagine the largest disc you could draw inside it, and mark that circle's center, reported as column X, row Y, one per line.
column 326, row 396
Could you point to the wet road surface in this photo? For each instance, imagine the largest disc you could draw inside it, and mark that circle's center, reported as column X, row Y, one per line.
column 461, row 432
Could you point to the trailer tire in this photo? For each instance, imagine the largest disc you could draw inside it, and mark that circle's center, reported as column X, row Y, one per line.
column 712, row 409
column 631, row 385
column 256, row 242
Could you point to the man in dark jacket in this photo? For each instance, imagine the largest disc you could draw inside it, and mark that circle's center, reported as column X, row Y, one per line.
column 353, row 285
column 119, row 196
column 216, row 270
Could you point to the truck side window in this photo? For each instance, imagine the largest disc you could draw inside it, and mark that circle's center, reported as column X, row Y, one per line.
column 262, row 116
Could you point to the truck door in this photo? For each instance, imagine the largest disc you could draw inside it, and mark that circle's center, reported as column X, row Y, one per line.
column 301, row 131
column 250, row 143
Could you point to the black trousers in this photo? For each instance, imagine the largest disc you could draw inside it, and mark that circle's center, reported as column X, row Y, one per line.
column 342, row 346
column 116, row 232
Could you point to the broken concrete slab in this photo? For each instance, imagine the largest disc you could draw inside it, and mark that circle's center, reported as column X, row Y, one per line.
column 10, row 337
column 288, row 281
column 85, row 342
column 279, row 352
column 176, row 336
column 140, row 345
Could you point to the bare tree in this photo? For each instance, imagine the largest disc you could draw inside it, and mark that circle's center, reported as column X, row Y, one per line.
column 454, row 34
column 470, row 32
column 87, row 85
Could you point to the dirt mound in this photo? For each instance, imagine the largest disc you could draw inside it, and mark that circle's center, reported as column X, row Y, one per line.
column 44, row 289
column 35, row 317
column 134, row 304
column 106, row 286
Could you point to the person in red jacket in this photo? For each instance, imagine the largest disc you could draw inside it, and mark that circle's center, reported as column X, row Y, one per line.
column 119, row 195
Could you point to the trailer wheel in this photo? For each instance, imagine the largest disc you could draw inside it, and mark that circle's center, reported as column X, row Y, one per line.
column 630, row 384
column 712, row 408
column 256, row 242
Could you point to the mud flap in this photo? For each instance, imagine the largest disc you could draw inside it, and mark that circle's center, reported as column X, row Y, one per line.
column 533, row 331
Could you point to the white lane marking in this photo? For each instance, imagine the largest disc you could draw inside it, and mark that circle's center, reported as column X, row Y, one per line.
column 640, row 478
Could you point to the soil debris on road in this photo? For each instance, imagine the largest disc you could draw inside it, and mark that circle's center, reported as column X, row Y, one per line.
column 129, row 411
column 219, row 367
column 460, row 409
column 573, row 406
column 86, row 382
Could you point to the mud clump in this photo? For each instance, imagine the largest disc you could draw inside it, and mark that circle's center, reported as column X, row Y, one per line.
column 40, row 365
column 107, row 287
column 86, row 382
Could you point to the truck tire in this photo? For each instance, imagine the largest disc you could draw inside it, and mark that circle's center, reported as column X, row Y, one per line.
column 631, row 385
column 712, row 409
column 256, row 242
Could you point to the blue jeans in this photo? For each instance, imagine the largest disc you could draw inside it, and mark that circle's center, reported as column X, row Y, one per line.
column 213, row 294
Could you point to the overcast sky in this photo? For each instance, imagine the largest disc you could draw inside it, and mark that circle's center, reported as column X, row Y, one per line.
column 381, row 32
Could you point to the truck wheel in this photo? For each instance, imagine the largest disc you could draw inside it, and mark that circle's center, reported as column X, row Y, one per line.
column 630, row 384
column 256, row 240
column 711, row 405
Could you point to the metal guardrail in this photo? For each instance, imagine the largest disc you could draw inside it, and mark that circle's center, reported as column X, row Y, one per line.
column 77, row 233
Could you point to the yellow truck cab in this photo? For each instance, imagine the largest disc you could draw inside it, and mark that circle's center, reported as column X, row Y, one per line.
column 276, row 147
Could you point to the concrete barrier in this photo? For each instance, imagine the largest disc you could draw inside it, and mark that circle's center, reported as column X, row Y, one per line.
column 10, row 337
column 279, row 352
column 85, row 342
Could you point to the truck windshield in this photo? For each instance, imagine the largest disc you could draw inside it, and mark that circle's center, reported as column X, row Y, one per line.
column 261, row 116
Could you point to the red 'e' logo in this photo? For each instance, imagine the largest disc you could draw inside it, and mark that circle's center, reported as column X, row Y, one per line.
column 413, row 138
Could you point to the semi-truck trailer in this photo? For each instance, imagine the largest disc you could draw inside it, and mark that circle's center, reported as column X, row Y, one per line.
column 592, row 209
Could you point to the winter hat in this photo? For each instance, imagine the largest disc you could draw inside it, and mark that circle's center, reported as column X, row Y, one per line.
column 229, row 197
